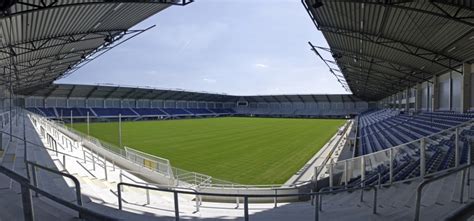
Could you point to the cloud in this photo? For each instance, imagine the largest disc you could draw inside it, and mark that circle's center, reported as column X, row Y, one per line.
column 259, row 65
column 209, row 80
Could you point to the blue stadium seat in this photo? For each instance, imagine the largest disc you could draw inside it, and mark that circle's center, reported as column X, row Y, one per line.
column 114, row 112
column 149, row 112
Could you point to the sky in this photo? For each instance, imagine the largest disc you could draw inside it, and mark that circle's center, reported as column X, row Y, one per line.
column 238, row 47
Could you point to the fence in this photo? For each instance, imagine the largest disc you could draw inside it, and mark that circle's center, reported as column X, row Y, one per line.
column 315, row 196
column 157, row 164
column 419, row 155
column 160, row 165
column 27, row 201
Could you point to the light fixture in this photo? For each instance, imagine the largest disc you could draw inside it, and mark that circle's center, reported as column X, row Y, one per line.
column 452, row 49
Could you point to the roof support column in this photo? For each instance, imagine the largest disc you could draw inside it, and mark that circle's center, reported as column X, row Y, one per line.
column 435, row 94
column 466, row 87
column 418, row 97
column 400, row 98
column 407, row 100
column 393, row 103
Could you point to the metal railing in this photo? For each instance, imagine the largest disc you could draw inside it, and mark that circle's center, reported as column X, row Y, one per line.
column 362, row 165
column 464, row 213
column 27, row 201
column 419, row 189
column 77, row 184
column 313, row 195
column 362, row 189
column 326, row 160
column 181, row 177
column 198, row 199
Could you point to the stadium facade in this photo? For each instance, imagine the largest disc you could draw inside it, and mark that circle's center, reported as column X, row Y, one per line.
column 60, row 101
column 408, row 64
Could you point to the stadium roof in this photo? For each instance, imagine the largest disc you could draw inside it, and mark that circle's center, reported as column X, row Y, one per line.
column 43, row 40
column 121, row 92
column 384, row 46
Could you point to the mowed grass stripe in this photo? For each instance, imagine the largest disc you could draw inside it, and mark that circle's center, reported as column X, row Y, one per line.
column 237, row 149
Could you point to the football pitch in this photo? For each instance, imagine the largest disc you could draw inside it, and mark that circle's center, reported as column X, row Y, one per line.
column 236, row 149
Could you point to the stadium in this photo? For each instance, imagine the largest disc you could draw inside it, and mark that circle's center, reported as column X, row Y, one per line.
column 397, row 147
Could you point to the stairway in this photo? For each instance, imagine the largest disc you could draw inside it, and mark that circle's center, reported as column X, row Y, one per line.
column 397, row 202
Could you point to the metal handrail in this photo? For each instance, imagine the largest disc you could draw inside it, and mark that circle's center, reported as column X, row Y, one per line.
column 326, row 160
column 217, row 185
column 463, row 213
column 245, row 196
column 198, row 200
column 462, row 125
column 420, row 187
column 319, row 199
column 84, row 213
column 77, row 184
column 38, row 145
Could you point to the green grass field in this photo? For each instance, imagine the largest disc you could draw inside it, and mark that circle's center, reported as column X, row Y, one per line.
column 241, row 150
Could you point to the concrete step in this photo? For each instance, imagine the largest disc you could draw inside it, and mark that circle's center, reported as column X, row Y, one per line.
column 445, row 196
column 456, row 196
column 93, row 190
column 431, row 193
column 11, row 208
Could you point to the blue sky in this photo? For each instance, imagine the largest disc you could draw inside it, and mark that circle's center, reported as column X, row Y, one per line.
column 239, row 47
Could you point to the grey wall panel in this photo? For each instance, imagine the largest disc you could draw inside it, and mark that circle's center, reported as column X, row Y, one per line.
column 424, row 97
column 444, row 87
column 456, row 96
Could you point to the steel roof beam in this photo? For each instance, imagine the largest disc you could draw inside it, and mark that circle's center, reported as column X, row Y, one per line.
column 466, row 4
column 92, row 92
column 287, row 98
column 126, row 95
column 264, row 99
column 361, row 80
column 401, row 6
column 66, row 39
column 158, row 95
column 108, row 95
column 64, row 4
column 389, row 62
column 387, row 76
column 183, row 96
column 85, row 57
column 405, row 47
column 70, row 91
column 51, row 91
column 331, row 69
column 460, row 5
column 299, row 96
